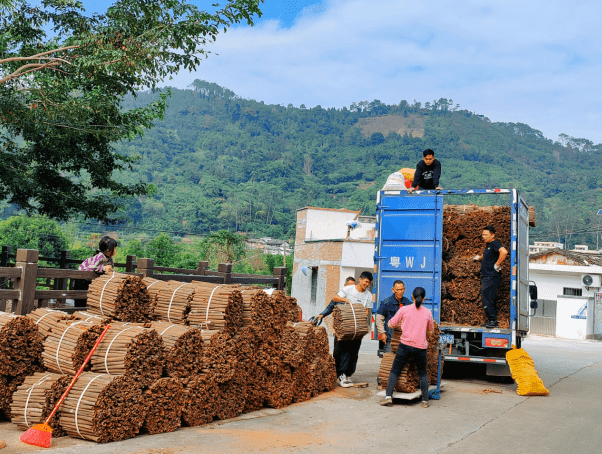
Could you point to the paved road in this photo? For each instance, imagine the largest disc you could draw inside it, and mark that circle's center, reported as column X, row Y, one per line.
column 471, row 415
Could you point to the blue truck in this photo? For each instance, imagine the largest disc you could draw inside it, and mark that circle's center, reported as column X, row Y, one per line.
column 409, row 246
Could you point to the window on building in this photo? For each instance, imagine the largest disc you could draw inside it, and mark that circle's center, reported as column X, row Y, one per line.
column 314, row 285
column 571, row 291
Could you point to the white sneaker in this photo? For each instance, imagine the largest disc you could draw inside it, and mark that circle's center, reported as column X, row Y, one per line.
column 349, row 380
column 344, row 381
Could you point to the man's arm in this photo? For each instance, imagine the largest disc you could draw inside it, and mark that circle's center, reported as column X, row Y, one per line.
column 417, row 178
column 437, row 174
column 503, row 254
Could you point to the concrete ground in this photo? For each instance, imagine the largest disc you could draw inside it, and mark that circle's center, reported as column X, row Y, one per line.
column 472, row 414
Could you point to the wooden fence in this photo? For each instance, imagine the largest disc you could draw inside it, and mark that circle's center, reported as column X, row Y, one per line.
column 20, row 281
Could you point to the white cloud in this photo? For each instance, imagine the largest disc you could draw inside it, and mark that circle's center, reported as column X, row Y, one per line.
column 532, row 62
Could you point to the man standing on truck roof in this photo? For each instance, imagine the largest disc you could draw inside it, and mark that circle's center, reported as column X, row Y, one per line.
column 428, row 172
column 346, row 351
column 491, row 273
column 387, row 310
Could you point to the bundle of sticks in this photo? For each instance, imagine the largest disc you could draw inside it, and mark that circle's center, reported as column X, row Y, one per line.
column 257, row 311
column 8, row 386
column 312, row 339
column 103, row 408
column 292, row 347
column 279, row 388
column 164, row 400
column 350, row 321
column 269, row 352
column 92, row 318
column 130, row 350
column 324, row 374
column 283, row 308
column 255, row 389
column 153, row 286
column 183, row 349
column 200, row 396
column 219, row 355
column 217, row 307
column 173, row 301
column 408, row 380
column 303, row 383
column 20, row 345
column 230, row 400
column 45, row 319
column 35, row 398
column 246, row 348
column 68, row 344
column 121, row 296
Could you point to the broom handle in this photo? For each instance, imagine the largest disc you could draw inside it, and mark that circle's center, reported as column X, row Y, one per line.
column 81, row 369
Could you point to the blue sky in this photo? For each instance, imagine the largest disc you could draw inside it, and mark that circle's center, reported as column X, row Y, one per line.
column 535, row 62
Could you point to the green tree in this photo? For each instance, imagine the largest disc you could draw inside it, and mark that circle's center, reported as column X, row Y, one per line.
column 163, row 249
column 63, row 78
column 224, row 246
column 36, row 232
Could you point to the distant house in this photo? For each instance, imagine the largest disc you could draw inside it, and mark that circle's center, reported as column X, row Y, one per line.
column 269, row 246
column 327, row 251
column 539, row 246
column 569, row 287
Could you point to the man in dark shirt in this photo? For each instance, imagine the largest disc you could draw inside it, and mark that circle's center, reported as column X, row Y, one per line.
column 491, row 273
column 428, row 172
column 387, row 309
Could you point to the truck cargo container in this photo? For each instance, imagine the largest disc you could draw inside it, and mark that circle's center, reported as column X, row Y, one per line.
column 409, row 245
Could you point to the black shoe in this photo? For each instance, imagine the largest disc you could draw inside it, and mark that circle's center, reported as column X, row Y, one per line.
column 491, row 324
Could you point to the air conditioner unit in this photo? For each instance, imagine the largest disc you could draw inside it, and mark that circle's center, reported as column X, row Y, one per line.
column 590, row 280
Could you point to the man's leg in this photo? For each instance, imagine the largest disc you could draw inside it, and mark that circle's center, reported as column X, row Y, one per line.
column 336, row 354
column 354, row 349
column 489, row 286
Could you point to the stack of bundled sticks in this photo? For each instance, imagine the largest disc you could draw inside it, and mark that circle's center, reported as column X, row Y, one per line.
column 218, row 307
column 164, row 400
column 103, row 408
column 461, row 287
column 35, row 399
column 130, row 350
column 121, row 296
column 350, row 321
column 92, row 318
column 323, row 370
column 45, row 319
column 286, row 307
column 408, row 381
column 173, row 301
column 183, row 349
column 68, row 344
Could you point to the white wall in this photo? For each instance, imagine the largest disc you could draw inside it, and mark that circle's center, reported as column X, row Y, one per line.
column 550, row 281
column 327, row 225
column 358, row 255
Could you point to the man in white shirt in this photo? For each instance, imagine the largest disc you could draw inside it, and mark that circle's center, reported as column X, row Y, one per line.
column 346, row 351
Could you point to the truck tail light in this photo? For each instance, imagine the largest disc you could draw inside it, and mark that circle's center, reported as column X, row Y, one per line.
column 495, row 342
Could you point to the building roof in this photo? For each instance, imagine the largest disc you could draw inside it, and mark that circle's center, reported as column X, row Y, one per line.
column 582, row 258
column 343, row 210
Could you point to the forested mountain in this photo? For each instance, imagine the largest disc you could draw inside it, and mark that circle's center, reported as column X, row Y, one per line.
column 223, row 162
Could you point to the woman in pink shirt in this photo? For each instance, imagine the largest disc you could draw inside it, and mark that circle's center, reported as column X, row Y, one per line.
column 416, row 323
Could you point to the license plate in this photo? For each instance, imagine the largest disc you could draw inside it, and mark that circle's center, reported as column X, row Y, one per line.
column 446, row 338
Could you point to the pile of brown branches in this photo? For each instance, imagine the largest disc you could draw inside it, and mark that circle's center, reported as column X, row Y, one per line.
column 461, row 287
column 164, row 400
column 350, row 321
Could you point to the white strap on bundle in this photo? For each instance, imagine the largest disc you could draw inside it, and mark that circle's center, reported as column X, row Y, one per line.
column 172, row 297
column 209, row 302
column 40, row 381
column 47, row 313
column 92, row 316
column 61, row 341
column 170, row 326
column 354, row 320
column 79, row 401
column 109, row 348
column 149, row 286
column 103, row 292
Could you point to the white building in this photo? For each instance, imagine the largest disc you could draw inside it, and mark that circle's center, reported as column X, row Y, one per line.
column 569, row 294
column 327, row 251
column 539, row 246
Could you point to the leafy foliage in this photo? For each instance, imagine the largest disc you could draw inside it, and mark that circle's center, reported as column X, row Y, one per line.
column 63, row 77
column 36, row 232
